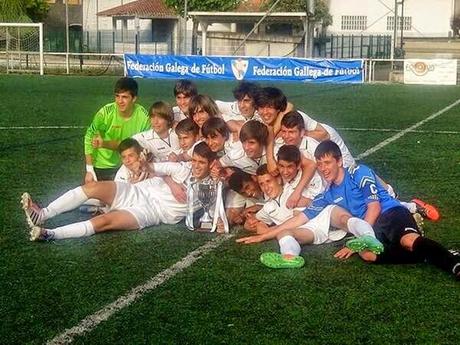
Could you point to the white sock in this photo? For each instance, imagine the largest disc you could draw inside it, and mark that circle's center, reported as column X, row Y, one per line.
column 66, row 202
column 411, row 206
column 289, row 246
column 359, row 227
column 75, row 230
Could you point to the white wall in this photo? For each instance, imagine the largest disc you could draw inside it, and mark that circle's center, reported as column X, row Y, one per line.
column 430, row 18
column 105, row 23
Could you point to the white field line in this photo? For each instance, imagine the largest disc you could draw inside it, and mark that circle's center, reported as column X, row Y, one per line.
column 422, row 131
column 93, row 320
column 405, row 131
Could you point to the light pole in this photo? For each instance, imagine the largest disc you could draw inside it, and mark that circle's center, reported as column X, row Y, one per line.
column 185, row 26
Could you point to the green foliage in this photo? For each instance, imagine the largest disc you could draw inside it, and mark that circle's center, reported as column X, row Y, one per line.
column 321, row 9
column 37, row 10
column 23, row 11
column 203, row 5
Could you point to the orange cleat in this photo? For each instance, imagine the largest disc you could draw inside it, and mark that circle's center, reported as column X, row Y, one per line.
column 426, row 210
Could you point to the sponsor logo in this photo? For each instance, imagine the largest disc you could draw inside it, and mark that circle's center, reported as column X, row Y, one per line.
column 420, row 68
column 239, row 68
column 339, row 199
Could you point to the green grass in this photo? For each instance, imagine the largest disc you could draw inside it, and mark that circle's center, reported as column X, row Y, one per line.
column 227, row 296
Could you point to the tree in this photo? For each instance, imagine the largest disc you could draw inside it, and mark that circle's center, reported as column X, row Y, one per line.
column 23, row 11
column 203, row 5
column 37, row 10
column 321, row 9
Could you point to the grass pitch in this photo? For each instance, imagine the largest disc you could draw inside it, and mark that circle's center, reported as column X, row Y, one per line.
column 227, row 296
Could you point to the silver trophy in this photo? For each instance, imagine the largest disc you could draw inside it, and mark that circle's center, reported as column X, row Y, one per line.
column 207, row 192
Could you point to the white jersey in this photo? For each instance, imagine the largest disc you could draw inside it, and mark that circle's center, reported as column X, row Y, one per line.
column 179, row 115
column 275, row 211
column 151, row 201
column 159, row 147
column 235, row 156
column 310, row 124
column 348, row 159
column 231, row 111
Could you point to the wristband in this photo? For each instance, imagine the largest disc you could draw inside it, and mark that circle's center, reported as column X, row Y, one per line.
column 90, row 169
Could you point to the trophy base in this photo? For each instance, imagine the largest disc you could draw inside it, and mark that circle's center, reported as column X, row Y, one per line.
column 205, row 227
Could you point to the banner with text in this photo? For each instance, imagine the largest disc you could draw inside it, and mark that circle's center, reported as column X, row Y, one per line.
column 247, row 68
column 434, row 72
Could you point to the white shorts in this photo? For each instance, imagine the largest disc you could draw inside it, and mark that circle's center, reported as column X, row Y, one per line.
column 320, row 227
column 136, row 201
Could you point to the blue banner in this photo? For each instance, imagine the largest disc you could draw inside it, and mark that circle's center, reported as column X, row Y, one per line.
column 247, row 68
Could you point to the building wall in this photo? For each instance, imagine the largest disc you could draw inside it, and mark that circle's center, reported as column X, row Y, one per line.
column 429, row 18
column 90, row 20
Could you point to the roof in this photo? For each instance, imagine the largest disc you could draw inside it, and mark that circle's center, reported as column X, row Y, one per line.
column 141, row 9
column 251, row 6
column 247, row 17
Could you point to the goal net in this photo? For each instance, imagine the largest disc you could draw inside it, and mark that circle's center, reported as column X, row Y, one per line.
column 21, row 47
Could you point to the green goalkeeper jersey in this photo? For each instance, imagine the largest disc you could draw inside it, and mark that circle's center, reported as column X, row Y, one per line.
column 111, row 126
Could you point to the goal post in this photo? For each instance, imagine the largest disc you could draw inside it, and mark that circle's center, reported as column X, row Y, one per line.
column 21, row 47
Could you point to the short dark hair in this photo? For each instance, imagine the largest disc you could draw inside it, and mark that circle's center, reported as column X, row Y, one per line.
column 328, row 148
column 289, row 153
column 246, row 88
column 187, row 126
column 126, row 84
column 186, row 87
column 215, row 125
column 293, row 119
column 262, row 170
column 163, row 110
column 202, row 149
column 129, row 143
column 254, row 130
column 271, row 96
column 236, row 180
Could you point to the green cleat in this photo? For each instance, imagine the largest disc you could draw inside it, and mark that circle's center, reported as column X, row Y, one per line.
column 365, row 243
column 276, row 260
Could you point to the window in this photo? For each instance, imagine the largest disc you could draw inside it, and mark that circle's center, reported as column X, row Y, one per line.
column 354, row 23
column 406, row 22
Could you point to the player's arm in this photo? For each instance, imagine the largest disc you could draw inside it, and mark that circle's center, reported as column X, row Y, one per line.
column 373, row 212
column 91, row 132
column 270, row 154
column 319, row 133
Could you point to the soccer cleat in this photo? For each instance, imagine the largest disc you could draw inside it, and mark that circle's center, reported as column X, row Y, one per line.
column 365, row 242
column 32, row 211
column 419, row 220
column 38, row 233
column 426, row 210
column 276, row 260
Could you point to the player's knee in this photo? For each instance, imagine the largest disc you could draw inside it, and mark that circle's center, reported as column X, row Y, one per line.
column 89, row 187
column 407, row 241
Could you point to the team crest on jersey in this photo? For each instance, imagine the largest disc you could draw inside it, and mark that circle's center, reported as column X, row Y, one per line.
column 239, row 68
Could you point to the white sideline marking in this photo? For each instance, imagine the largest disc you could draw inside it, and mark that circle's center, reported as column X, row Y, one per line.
column 41, row 127
column 355, row 129
column 91, row 321
column 405, row 131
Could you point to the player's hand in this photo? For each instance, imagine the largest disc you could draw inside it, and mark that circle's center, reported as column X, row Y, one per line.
column 273, row 170
column 344, row 253
column 220, row 226
column 293, row 200
column 97, row 141
column 215, row 169
column 251, row 239
column 172, row 157
column 179, row 192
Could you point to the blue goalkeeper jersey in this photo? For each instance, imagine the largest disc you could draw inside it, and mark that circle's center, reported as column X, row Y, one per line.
column 358, row 188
